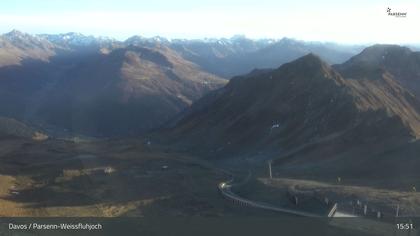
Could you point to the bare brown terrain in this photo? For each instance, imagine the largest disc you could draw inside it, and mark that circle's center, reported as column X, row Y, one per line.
column 351, row 197
column 347, row 132
column 315, row 124
column 107, row 178
column 15, row 48
column 382, row 199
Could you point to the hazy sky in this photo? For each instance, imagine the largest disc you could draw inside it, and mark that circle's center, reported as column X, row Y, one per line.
column 352, row 21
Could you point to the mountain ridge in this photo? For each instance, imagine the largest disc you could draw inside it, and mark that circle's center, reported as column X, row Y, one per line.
column 125, row 91
column 225, row 57
column 300, row 102
column 401, row 62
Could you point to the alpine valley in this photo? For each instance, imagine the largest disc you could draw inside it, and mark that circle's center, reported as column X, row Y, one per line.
column 93, row 126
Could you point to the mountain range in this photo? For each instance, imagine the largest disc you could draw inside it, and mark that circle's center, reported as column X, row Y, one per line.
column 315, row 109
column 124, row 91
column 242, row 54
column 104, row 87
column 99, row 86
column 401, row 62
column 304, row 104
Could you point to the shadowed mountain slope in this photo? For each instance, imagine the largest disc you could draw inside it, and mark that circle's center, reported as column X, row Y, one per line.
column 302, row 102
column 126, row 91
column 402, row 63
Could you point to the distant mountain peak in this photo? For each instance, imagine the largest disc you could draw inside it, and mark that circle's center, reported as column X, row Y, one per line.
column 238, row 36
column 310, row 62
column 25, row 41
column 14, row 32
column 311, row 57
column 380, row 56
column 18, row 35
column 286, row 40
column 387, row 47
column 375, row 61
column 140, row 40
column 377, row 53
column 74, row 39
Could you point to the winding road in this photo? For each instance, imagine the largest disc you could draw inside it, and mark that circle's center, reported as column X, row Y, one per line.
column 225, row 189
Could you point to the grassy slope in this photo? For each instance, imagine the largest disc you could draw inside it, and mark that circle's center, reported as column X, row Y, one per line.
column 57, row 178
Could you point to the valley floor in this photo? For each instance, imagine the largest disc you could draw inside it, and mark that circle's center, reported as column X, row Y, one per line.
column 106, row 178
column 131, row 178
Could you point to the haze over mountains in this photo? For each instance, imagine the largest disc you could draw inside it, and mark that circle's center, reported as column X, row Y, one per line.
column 103, row 87
column 100, row 86
column 97, row 90
column 208, row 53
column 317, row 110
column 239, row 55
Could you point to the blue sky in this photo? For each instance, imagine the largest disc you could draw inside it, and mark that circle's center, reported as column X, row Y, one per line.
column 340, row 21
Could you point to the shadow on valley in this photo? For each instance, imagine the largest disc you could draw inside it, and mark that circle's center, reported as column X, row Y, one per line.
column 111, row 178
column 122, row 93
